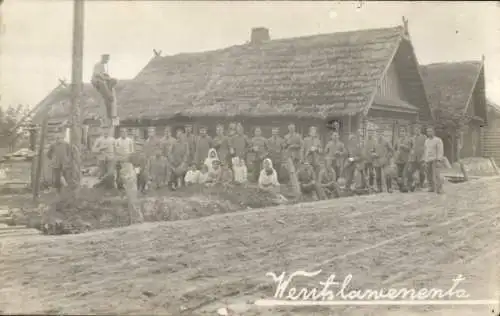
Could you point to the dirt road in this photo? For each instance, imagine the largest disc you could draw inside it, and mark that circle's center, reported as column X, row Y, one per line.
column 195, row 267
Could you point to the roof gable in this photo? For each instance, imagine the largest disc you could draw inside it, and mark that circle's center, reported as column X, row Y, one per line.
column 450, row 85
column 60, row 103
column 321, row 75
column 402, row 83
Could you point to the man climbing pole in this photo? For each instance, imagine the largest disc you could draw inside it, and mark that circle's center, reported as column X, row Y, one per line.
column 105, row 85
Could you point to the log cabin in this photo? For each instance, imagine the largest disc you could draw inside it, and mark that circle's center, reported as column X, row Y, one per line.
column 364, row 79
column 456, row 92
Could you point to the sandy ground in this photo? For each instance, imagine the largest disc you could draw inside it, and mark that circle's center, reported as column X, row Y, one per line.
column 195, row 267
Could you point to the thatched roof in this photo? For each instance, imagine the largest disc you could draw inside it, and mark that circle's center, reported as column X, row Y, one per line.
column 312, row 76
column 60, row 103
column 450, row 85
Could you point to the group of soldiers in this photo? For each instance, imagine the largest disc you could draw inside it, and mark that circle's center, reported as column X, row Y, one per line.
column 409, row 162
column 165, row 159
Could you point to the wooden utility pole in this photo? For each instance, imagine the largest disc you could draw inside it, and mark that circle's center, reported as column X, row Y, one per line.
column 40, row 157
column 76, row 90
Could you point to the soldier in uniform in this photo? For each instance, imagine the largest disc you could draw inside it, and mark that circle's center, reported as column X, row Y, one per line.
column 239, row 142
column 166, row 144
column 313, row 146
column 203, row 144
column 275, row 145
column 221, row 144
column 179, row 159
column 355, row 161
column 417, row 159
column 259, row 151
column 335, row 153
column 294, row 145
column 403, row 149
column 167, row 141
column 59, row 154
column 383, row 153
column 191, row 139
column 369, row 154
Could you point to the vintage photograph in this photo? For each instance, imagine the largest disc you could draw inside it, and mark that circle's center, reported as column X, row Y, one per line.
column 249, row 158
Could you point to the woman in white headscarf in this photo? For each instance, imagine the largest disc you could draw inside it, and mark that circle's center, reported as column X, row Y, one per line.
column 211, row 157
column 268, row 180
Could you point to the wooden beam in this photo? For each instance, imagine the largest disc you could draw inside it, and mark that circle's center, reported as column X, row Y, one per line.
column 349, row 119
column 63, row 83
column 76, row 89
column 40, row 158
column 157, row 53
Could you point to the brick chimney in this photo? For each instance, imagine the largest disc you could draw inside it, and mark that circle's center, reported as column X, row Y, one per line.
column 259, row 35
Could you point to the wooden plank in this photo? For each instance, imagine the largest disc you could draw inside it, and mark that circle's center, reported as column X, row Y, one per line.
column 494, row 165
column 13, row 228
column 40, row 156
column 293, row 177
column 464, row 171
column 21, row 234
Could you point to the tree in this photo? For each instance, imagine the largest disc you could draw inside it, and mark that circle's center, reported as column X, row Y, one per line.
column 450, row 122
column 9, row 118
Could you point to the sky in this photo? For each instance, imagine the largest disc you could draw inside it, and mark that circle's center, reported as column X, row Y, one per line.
column 36, row 35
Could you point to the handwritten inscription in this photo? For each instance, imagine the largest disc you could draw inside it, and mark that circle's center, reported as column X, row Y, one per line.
column 284, row 291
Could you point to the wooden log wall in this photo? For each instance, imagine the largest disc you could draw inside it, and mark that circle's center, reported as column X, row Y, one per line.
column 491, row 140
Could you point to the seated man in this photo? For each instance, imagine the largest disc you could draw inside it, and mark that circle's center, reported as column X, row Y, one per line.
column 214, row 175
column 307, row 180
column 105, row 85
column 328, row 179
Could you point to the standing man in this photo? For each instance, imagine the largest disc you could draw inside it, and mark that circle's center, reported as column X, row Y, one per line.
column 140, row 161
column 166, row 144
column 434, row 157
column 383, row 153
column 152, row 143
column 417, row 159
column 149, row 149
column 335, row 153
column 221, row 145
column 313, row 146
column 104, row 146
column 239, row 142
column 259, row 151
column 203, row 145
column 370, row 153
column 179, row 160
column 60, row 155
column 124, row 148
column 105, row 85
column 355, row 162
column 275, row 145
column 294, row 145
column 167, row 141
column 191, row 140
column 403, row 148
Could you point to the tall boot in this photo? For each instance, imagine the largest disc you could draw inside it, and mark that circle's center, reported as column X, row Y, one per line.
column 388, row 183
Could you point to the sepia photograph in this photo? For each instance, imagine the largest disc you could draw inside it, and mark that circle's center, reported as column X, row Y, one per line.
column 249, row 158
